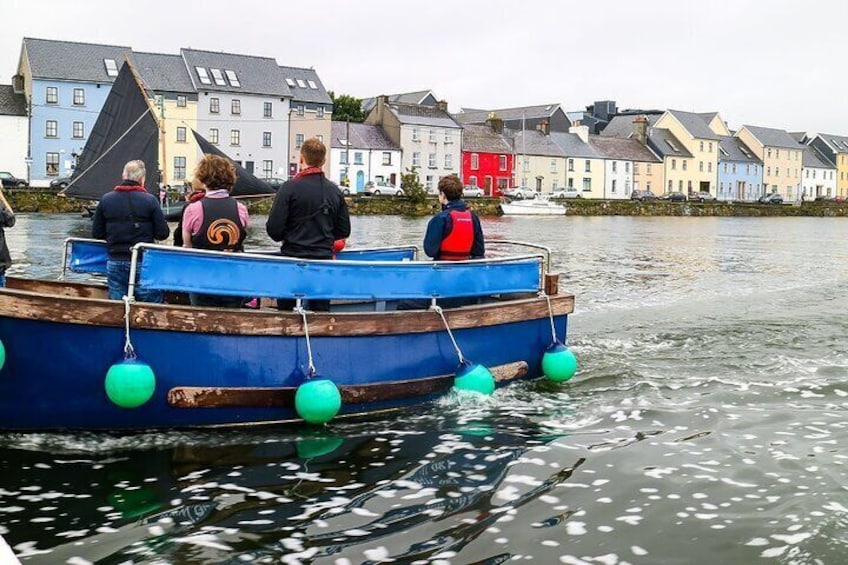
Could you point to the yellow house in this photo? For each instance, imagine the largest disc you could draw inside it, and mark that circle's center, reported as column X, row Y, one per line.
column 539, row 162
column 700, row 171
column 781, row 156
column 835, row 149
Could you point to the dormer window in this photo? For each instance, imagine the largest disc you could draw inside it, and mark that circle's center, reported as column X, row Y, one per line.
column 218, row 77
column 290, row 82
column 111, row 67
column 202, row 75
column 312, row 85
column 231, row 76
column 301, row 83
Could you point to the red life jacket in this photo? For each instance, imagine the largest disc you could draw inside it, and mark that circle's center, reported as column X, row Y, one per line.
column 456, row 246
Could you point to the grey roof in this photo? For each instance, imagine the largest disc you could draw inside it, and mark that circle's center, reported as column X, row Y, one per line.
column 622, row 126
column 362, row 136
column 257, row 75
column 483, row 139
column 417, row 114
column 11, row 104
column 837, row 143
column 526, row 112
column 735, row 150
column 403, row 98
column 573, row 146
column 666, row 144
column 708, row 116
column 621, row 149
column 70, row 60
column 163, row 73
column 771, row 137
column 316, row 95
column 812, row 160
column 534, row 142
column 694, row 124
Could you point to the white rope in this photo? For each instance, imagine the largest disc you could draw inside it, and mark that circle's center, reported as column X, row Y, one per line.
column 438, row 310
column 302, row 312
column 129, row 351
column 550, row 314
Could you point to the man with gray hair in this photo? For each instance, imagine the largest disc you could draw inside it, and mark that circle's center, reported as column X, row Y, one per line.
column 126, row 216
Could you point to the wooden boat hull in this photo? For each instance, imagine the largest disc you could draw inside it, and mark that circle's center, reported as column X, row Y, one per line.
column 221, row 368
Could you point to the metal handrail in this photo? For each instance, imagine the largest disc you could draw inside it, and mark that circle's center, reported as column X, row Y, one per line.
column 547, row 250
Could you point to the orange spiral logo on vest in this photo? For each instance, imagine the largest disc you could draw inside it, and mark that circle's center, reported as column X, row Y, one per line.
column 221, row 230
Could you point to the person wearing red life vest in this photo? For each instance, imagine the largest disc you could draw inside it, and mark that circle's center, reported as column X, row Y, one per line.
column 455, row 233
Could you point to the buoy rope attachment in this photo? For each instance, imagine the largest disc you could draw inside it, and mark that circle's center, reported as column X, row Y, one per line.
column 129, row 350
column 438, row 310
column 544, row 295
column 298, row 309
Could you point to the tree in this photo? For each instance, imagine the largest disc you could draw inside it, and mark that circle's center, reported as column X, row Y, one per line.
column 347, row 107
column 411, row 185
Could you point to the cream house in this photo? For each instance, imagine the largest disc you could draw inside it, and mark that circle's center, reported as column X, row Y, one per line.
column 782, row 159
column 540, row 163
column 700, row 171
column 584, row 165
column 628, row 165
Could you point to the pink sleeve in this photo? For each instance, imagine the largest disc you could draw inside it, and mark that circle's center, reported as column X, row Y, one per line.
column 193, row 218
column 242, row 210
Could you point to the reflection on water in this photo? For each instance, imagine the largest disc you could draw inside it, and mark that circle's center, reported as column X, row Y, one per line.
column 707, row 424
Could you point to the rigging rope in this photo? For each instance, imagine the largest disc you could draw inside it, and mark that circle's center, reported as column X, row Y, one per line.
column 129, row 351
column 550, row 314
column 438, row 310
column 299, row 310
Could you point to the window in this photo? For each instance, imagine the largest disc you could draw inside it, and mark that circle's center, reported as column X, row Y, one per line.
column 472, row 180
column 432, row 136
column 213, row 136
column 680, row 185
column 570, row 182
column 747, row 169
column 502, row 184
column 449, row 161
column 685, row 164
column 711, row 146
column 614, row 166
column 526, row 167
column 670, row 186
column 298, row 140
column 627, row 167
column 202, row 75
column 777, row 153
column 587, row 183
column 734, row 168
column 52, row 164
column 79, row 97
column 357, row 158
column 647, row 169
column 431, row 161
column 319, row 112
column 300, row 110
column 312, row 84
column 701, row 166
column 235, row 137
column 448, row 138
column 214, row 105
column 429, row 183
column 179, row 168
column 553, row 166
column 613, row 186
column 689, row 186
column 182, row 101
column 235, row 106
column 267, row 110
column 231, row 76
column 52, row 95
column 416, row 135
column 290, row 82
column 387, row 158
column 111, row 67
column 79, row 130
column 571, row 165
column 588, row 168
column 475, row 161
column 343, row 158
column 51, row 128
column 416, row 158
column 554, row 185
column 218, row 77
column 266, row 139
column 768, row 152
column 301, row 83
column 768, row 171
column 267, row 169
column 181, row 135
column 502, row 162
column 701, row 147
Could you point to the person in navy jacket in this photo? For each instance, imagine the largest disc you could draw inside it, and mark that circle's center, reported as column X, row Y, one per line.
column 454, row 234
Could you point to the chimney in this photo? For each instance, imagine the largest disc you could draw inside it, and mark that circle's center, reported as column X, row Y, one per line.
column 581, row 131
column 495, row 123
column 380, row 109
column 544, row 127
column 640, row 129
column 442, row 105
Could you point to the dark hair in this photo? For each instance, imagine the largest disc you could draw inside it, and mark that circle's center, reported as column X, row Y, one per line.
column 216, row 172
column 451, row 187
column 314, row 152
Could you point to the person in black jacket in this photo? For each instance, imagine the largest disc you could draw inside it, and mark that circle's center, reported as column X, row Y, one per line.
column 7, row 220
column 309, row 214
column 126, row 216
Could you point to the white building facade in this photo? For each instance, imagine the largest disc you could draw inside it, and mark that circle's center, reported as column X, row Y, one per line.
column 14, row 126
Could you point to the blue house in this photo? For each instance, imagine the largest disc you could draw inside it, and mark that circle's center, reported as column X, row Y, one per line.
column 740, row 172
column 66, row 84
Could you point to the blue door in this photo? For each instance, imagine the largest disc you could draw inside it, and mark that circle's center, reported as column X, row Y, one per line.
column 360, row 181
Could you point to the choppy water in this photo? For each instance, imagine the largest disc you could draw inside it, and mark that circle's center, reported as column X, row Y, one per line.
column 707, row 425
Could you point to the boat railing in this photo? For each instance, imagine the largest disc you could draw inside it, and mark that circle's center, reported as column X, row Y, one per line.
column 159, row 267
column 516, row 243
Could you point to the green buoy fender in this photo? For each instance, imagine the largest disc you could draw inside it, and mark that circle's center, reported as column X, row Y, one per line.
column 318, row 400
column 2, row 355
column 474, row 377
column 559, row 363
column 130, row 383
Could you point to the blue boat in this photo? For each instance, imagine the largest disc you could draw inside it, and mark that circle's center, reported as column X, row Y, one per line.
column 231, row 367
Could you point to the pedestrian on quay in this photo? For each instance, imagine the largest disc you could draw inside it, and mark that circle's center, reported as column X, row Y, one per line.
column 309, row 214
column 7, row 220
column 126, row 216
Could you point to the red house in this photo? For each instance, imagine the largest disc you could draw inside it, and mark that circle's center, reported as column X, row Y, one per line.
column 487, row 157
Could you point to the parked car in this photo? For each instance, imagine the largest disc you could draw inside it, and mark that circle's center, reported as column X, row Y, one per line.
column 520, row 193
column 472, row 192
column 387, row 189
column 275, row 183
column 702, row 196
column 8, row 180
column 566, row 193
column 643, row 195
column 773, row 198
column 675, row 197
column 60, row 183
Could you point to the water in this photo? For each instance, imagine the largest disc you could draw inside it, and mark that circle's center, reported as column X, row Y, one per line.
column 707, row 425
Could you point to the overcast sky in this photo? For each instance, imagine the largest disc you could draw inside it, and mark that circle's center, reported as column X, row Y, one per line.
column 775, row 63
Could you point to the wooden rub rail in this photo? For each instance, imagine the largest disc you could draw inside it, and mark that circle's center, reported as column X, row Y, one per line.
column 283, row 397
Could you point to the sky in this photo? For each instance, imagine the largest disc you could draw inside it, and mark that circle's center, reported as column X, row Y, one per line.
column 773, row 63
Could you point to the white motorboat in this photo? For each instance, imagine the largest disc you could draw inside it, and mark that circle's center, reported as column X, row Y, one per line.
column 534, row 207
